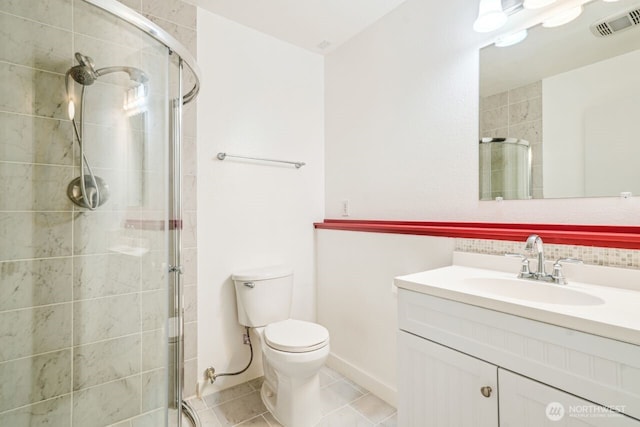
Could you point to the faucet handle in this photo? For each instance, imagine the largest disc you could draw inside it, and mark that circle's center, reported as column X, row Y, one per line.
column 557, row 275
column 525, row 270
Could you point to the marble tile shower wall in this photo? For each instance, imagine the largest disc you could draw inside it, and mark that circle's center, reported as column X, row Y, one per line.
column 179, row 19
column 517, row 113
column 81, row 326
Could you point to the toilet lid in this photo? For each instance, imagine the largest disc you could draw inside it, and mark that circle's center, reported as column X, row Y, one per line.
column 296, row 336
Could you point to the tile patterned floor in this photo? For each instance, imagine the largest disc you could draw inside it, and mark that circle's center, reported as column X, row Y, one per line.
column 344, row 404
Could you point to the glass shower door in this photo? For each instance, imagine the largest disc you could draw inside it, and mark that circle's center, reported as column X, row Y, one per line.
column 83, row 287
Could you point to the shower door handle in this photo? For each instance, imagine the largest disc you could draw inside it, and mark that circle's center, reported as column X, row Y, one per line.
column 176, row 269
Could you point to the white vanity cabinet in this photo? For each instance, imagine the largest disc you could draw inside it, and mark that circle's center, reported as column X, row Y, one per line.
column 528, row 403
column 442, row 387
column 462, row 365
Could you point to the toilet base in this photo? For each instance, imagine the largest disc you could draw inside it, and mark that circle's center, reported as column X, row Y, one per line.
column 296, row 403
column 291, row 388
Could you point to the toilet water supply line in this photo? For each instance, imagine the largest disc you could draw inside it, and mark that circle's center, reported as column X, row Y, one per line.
column 210, row 372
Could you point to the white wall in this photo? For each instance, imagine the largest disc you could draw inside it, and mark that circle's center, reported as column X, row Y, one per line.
column 259, row 97
column 402, row 126
column 586, row 130
column 357, row 302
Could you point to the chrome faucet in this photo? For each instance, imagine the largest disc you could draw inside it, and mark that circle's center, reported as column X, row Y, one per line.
column 534, row 241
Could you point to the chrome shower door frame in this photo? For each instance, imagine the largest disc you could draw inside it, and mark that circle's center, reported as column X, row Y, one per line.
column 176, row 308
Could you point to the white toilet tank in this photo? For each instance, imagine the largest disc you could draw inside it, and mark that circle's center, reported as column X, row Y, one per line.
column 263, row 295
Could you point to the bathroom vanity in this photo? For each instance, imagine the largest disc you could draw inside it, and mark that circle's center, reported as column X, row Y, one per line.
column 479, row 348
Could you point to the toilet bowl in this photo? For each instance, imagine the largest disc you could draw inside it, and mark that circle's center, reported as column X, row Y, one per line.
column 291, row 390
column 293, row 351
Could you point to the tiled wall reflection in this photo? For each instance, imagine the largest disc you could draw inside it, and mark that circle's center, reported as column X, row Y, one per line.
column 516, row 113
column 610, row 257
column 83, row 325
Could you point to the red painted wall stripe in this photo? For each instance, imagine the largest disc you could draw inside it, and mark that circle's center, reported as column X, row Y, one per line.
column 623, row 237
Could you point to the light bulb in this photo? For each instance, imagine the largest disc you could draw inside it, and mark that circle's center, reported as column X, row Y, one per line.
column 563, row 17
column 490, row 16
column 511, row 39
column 536, row 4
column 71, row 109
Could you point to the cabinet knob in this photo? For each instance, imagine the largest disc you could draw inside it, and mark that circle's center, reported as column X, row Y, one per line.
column 486, row 391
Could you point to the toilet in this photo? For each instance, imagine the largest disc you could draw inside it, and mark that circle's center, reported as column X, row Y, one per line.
column 293, row 351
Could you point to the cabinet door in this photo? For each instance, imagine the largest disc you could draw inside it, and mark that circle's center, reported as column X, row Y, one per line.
column 528, row 403
column 441, row 387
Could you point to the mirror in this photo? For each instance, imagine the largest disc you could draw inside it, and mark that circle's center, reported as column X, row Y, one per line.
column 573, row 95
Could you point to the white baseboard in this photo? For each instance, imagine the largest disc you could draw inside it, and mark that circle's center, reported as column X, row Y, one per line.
column 363, row 379
column 200, row 386
column 205, row 388
column 358, row 376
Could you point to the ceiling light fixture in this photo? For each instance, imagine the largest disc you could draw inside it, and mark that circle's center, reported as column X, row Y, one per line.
column 511, row 39
column 537, row 4
column 490, row 16
column 563, row 17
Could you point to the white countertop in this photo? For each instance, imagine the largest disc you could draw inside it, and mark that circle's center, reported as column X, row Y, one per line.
column 618, row 317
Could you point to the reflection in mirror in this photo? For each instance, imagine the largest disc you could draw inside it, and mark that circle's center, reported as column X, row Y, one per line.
column 505, row 169
column 573, row 93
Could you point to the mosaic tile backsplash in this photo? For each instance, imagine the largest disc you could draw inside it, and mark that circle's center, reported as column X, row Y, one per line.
column 610, row 257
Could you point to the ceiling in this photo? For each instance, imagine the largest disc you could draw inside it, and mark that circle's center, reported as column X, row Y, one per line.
column 550, row 51
column 317, row 25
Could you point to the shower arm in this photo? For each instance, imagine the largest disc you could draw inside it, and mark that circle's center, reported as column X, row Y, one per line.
column 134, row 73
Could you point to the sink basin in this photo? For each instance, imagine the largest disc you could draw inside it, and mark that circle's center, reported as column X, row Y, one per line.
column 607, row 311
column 533, row 291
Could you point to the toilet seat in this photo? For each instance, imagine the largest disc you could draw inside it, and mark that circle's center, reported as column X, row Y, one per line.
column 296, row 336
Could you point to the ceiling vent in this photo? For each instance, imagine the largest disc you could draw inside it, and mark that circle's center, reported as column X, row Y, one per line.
column 323, row 44
column 512, row 6
column 616, row 23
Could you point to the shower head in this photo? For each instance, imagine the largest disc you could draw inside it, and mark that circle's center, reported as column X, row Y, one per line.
column 84, row 73
column 85, row 61
column 81, row 75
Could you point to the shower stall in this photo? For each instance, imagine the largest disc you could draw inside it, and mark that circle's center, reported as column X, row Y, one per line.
column 91, row 293
column 505, row 169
